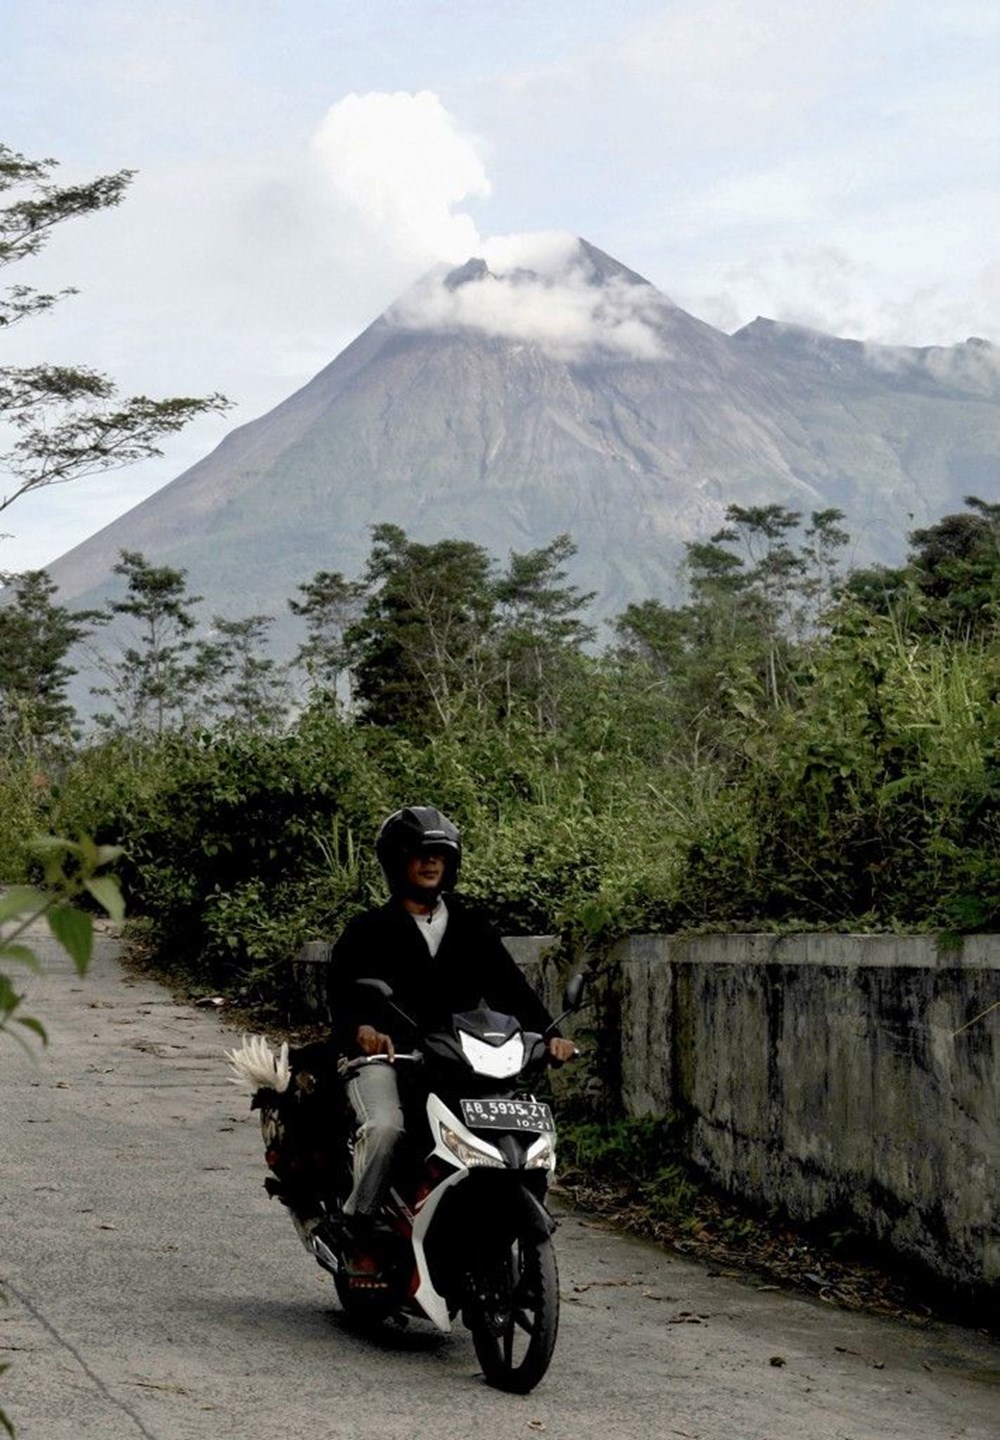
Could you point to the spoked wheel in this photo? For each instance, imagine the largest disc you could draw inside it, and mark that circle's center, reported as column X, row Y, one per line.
column 514, row 1326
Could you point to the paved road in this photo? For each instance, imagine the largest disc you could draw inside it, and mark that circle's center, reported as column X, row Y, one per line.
column 155, row 1291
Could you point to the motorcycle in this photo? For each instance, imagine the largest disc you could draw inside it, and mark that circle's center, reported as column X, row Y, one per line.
column 465, row 1230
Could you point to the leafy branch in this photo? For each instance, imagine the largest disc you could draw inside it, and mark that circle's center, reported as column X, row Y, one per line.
column 72, row 872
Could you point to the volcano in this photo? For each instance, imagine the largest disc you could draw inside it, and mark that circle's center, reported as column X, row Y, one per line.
column 561, row 392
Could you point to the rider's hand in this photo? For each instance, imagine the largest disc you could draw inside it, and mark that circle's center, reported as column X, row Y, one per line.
column 561, row 1050
column 373, row 1042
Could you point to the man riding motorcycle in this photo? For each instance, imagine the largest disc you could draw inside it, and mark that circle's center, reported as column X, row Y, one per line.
column 439, row 957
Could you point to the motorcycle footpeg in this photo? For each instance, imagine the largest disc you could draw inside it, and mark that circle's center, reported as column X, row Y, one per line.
column 324, row 1254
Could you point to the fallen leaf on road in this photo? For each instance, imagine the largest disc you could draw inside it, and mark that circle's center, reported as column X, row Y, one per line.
column 605, row 1284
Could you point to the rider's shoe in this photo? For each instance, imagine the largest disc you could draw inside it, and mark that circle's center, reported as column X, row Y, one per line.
column 323, row 1242
column 317, row 1233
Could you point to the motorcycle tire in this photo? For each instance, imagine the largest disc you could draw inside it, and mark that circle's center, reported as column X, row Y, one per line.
column 515, row 1340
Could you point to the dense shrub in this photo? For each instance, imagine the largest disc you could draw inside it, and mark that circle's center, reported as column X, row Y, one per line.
column 871, row 800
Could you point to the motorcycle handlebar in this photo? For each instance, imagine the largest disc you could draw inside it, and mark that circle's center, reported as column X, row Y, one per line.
column 415, row 1058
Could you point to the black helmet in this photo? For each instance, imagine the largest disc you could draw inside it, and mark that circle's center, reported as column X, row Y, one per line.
column 410, row 830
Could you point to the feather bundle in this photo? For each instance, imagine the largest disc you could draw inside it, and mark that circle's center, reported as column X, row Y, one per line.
column 255, row 1065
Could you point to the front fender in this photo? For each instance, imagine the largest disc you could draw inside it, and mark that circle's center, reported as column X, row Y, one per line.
column 539, row 1221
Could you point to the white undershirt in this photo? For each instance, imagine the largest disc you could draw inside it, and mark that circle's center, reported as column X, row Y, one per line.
column 433, row 926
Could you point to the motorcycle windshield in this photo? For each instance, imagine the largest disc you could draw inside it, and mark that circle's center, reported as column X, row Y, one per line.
column 499, row 1061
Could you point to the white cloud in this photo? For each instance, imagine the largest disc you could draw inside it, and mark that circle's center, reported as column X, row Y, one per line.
column 827, row 288
column 402, row 165
column 546, row 252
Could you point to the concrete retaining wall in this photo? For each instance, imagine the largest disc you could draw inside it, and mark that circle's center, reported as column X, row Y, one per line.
column 830, row 1076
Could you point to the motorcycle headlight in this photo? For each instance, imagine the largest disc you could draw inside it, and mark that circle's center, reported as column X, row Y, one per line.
column 542, row 1155
column 466, row 1151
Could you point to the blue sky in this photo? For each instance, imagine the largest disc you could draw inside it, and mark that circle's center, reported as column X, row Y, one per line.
column 300, row 165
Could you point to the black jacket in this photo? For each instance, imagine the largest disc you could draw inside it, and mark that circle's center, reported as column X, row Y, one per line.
column 472, row 965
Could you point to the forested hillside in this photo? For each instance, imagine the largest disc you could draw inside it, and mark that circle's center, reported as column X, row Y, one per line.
column 782, row 745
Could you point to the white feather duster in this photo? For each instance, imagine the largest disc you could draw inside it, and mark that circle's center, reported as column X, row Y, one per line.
column 255, row 1066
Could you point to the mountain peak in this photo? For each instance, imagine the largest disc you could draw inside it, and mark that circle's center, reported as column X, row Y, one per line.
column 473, row 270
column 545, row 258
column 551, row 290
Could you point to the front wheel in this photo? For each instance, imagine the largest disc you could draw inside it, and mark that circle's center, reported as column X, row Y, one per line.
column 516, row 1316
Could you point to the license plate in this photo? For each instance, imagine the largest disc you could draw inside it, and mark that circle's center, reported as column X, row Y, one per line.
column 508, row 1115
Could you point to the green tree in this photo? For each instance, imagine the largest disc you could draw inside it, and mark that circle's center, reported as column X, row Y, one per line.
column 155, row 681
column 330, row 606
column 243, row 685
column 825, row 541
column 653, row 634
column 700, row 652
column 759, row 593
column 68, row 421
column 773, row 573
column 36, row 636
column 949, row 586
column 420, row 652
column 540, row 631
column 956, row 568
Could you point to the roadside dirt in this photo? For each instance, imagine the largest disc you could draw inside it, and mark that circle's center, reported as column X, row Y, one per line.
column 736, row 1244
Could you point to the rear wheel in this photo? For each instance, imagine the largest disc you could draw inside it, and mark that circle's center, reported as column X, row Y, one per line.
column 515, row 1319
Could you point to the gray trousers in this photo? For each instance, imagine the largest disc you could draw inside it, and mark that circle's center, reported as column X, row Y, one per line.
column 374, row 1097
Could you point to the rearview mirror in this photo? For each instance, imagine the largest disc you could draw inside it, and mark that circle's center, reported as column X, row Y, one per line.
column 376, row 987
column 573, row 993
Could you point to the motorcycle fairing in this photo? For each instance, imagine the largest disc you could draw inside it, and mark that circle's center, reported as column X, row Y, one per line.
column 433, row 1304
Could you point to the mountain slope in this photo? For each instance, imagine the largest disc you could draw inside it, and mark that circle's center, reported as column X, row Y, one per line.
column 507, row 406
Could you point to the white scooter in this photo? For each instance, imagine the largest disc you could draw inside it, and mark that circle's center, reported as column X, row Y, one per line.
column 465, row 1230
